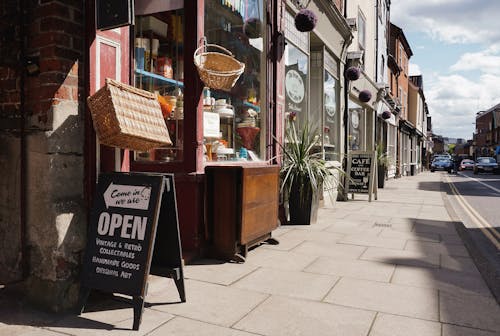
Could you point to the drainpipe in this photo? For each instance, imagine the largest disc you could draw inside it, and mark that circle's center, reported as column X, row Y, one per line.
column 22, row 100
column 345, row 117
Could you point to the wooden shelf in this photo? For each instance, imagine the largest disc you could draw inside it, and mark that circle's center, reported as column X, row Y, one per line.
column 159, row 78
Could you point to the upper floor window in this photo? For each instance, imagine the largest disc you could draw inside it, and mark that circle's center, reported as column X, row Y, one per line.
column 361, row 30
column 400, row 55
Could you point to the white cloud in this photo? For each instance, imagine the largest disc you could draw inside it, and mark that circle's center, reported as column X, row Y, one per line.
column 486, row 61
column 454, row 100
column 451, row 21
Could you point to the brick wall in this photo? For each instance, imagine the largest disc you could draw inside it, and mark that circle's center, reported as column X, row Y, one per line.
column 53, row 109
column 10, row 227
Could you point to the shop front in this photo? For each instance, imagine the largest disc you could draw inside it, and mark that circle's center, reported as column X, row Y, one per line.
column 210, row 124
column 313, row 66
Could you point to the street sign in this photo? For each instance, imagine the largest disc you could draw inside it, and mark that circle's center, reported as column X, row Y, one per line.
column 123, row 225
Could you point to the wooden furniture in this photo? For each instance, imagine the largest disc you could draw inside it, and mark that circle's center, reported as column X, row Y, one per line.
column 241, row 208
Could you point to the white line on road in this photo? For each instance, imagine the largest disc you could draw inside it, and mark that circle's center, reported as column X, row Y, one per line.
column 480, row 182
column 480, row 222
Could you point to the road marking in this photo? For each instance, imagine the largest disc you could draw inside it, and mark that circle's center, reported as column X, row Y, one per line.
column 480, row 182
column 478, row 220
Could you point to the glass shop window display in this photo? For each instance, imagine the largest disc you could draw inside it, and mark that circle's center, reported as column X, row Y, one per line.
column 234, row 120
column 296, row 73
column 159, row 68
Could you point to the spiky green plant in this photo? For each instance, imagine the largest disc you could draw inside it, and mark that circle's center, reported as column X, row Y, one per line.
column 303, row 165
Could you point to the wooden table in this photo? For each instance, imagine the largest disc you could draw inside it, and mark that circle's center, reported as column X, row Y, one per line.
column 241, row 207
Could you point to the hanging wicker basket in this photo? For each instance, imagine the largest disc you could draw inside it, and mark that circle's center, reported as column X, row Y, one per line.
column 216, row 69
column 127, row 117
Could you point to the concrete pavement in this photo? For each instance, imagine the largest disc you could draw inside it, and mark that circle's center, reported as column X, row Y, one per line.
column 395, row 266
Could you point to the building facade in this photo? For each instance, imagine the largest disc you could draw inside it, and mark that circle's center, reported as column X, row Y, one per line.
column 55, row 57
column 399, row 55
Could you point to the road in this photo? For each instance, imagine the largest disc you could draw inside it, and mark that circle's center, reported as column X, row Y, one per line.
column 475, row 200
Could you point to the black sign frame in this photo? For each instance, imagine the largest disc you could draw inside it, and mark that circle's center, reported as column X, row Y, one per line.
column 361, row 173
column 110, row 14
column 130, row 212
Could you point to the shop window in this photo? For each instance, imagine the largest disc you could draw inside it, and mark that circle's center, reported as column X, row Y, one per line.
column 331, row 92
column 296, row 79
column 331, row 129
column 356, row 128
column 159, row 68
column 296, row 72
column 235, row 121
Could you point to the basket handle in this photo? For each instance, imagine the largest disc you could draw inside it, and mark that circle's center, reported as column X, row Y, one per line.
column 215, row 46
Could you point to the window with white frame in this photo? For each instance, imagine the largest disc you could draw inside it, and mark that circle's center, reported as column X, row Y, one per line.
column 361, row 30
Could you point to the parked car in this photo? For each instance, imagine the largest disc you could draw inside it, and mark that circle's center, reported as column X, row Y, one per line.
column 466, row 164
column 486, row 164
column 442, row 163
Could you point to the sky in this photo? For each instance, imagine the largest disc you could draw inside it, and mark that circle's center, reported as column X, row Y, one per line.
column 456, row 48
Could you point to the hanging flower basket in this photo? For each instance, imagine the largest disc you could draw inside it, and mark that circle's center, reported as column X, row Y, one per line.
column 305, row 20
column 365, row 96
column 386, row 115
column 218, row 70
column 352, row 73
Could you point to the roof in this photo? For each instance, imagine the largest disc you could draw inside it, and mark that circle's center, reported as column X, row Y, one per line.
column 398, row 33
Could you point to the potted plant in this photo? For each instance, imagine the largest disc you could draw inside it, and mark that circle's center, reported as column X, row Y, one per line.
column 383, row 162
column 303, row 173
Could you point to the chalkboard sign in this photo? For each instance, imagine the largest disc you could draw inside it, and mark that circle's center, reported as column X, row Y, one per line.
column 122, row 232
column 361, row 173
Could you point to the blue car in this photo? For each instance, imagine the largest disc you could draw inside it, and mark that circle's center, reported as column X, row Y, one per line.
column 442, row 163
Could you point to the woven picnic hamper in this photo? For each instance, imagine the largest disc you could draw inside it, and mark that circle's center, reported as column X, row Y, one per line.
column 127, row 117
column 216, row 69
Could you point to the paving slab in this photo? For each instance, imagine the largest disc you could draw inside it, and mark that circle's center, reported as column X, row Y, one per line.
column 472, row 311
column 394, row 325
column 348, row 228
column 319, row 236
column 115, row 322
column 374, row 241
column 280, row 316
column 181, row 326
column 341, row 251
column 358, row 269
column 453, row 330
column 28, row 331
column 459, row 264
column 217, row 271
column 385, row 297
column 399, row 234
column 437, row 248
column 276, row 259
column 288, row 283
column 286, row 244
column 216, row 304
column 442, row 279
column 401, row 257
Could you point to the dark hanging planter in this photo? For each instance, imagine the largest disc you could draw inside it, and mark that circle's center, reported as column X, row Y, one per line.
column 352, row 73
column 305, row 20
column 252, row 28
column 386, row 115
column 365, row 96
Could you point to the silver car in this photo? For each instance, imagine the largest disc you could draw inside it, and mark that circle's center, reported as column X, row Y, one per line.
column 486, row 164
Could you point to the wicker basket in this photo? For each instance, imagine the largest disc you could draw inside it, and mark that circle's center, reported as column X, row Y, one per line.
column 127, row 117
column 217, row 70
